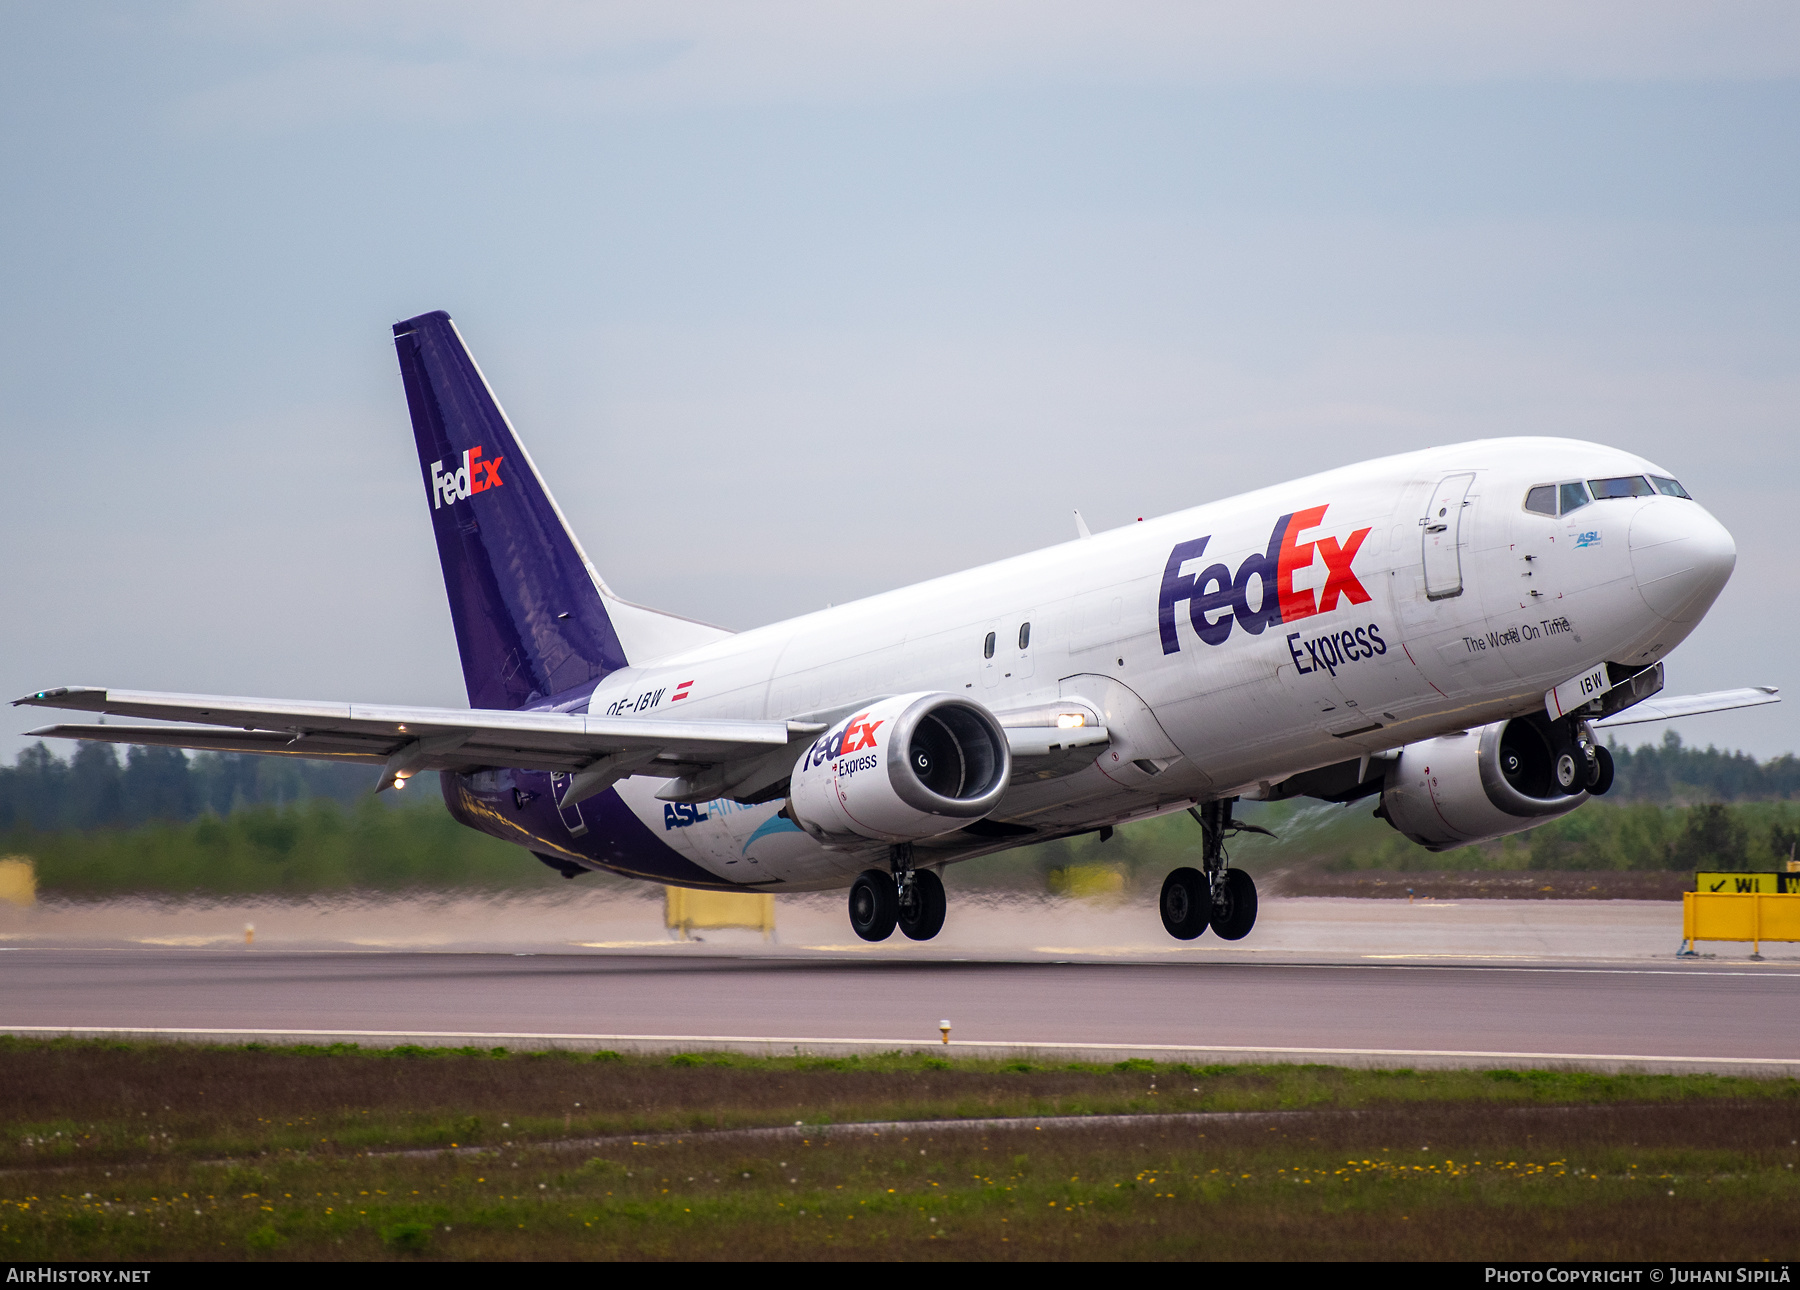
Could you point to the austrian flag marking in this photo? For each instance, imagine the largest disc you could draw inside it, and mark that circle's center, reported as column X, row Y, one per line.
column 473, row 476
column 681, row 692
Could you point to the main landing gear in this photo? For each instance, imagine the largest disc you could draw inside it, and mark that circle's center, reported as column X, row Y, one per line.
column 1580, row 762
column 1218, row 897
column 911, row 899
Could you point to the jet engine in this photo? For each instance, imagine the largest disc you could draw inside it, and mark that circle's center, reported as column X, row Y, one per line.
column 1471, row 787
column 904, row 768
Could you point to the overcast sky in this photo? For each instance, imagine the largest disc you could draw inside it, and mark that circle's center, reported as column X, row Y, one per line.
column 795, row 302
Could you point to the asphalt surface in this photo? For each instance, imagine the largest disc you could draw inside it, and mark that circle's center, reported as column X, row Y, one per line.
column 1696, row 1011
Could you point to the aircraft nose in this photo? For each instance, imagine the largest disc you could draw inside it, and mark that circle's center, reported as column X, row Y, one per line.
column 1682, row 558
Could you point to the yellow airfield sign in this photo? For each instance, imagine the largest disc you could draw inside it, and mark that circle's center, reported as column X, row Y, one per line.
column 1766, row 882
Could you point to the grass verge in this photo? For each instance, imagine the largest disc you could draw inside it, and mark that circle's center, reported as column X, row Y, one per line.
column 123, row 1151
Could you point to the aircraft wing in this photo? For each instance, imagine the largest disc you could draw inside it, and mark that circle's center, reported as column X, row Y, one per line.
column 405, row 739
column 1659, row 708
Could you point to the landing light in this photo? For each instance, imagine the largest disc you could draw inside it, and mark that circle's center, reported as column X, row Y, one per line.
column 1070, row 720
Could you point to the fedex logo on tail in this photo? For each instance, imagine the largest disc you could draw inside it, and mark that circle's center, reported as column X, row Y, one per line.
column 473, row 476
column 1217, row 597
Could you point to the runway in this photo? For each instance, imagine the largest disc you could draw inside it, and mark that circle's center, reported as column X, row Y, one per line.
column 1667, row 1016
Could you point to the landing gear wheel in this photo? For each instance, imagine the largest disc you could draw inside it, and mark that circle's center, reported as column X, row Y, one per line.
column 1234, row 905
column 874, row 905
column 1184, row 904
column 924, row 917
column 1600, row 776
column 1569, row 773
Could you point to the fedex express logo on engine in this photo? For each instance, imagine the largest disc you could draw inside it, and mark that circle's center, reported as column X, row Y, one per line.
column 1217, row 597
column 858, row 733
column 473, row 476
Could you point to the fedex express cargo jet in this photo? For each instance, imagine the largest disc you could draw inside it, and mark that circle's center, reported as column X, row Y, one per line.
column 1442, row 631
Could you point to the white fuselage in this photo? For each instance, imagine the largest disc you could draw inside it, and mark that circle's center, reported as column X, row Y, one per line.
column 1393, row 630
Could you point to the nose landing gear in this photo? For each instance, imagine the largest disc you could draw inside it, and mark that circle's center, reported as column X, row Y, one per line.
column 1221, row 898
column 1582, row 762
column 1600, row 778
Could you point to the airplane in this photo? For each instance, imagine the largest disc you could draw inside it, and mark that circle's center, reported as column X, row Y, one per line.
column 1443, row 630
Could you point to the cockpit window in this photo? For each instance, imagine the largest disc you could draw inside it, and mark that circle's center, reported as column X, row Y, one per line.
column 1668, row 487
column 1573, row 497
column 1542, row 499
column 1623, row 486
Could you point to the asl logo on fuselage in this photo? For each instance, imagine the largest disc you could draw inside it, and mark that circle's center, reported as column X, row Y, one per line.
column 1216, row 597
column 473, row 476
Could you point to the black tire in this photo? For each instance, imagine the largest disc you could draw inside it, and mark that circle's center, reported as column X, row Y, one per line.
column 925, row 918
column 1184, row 903
column 1600, row 778
column 874, row 905
column 1234, row 905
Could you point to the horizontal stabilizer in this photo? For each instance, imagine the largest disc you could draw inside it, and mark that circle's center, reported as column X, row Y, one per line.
column 1663, row 708
column 416, row 738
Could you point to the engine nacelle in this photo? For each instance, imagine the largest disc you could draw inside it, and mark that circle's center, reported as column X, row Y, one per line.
column 904, row 768
column 1457, row 789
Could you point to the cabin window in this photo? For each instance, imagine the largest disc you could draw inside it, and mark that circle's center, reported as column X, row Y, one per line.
column 1024, row 635
column 987, row 646
column 1542, row 499
column 1668, row 487
column 1573, row 497
column 1623, row 486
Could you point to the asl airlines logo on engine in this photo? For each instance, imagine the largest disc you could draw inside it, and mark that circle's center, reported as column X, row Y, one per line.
column 1216, row 597
column 473, row 476
column 858, row 733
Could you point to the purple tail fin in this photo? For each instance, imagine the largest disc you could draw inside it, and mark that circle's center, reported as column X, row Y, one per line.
column 530, row 622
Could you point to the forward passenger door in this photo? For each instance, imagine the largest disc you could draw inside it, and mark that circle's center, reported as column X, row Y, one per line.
column 1444, row 536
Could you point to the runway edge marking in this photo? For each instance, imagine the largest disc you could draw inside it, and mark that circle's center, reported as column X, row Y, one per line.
column 783, row 1046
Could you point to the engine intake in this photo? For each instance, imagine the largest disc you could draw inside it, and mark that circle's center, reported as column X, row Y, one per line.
column 1486, row 783
column 904, row 768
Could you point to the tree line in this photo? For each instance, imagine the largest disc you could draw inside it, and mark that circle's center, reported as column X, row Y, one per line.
column 1673, row 772
column 96, row 788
